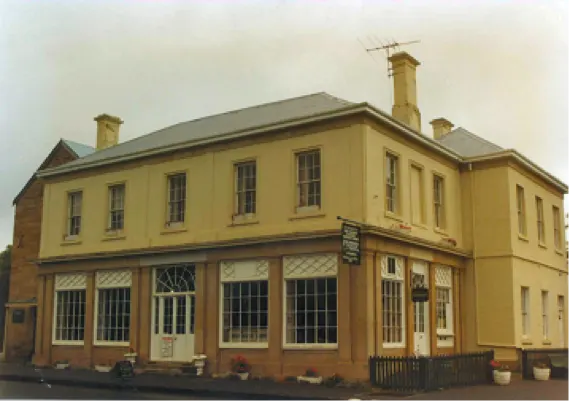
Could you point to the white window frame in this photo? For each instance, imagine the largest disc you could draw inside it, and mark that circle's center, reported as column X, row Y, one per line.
column 525, row 312
column 303, row 197
column 545, row 316
column 521, row 212
column 239, row 272
column 116, row 206
column 242, row 172
column 540, row 220
column 391, row 166
column 106, row 280
column 66, row 283
column 392, row 268
column 74, row 207
column 310, row 266
column 439, row 201
column 444, row 281
column 181, row 214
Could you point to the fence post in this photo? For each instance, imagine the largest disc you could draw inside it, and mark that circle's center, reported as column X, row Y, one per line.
column 372, row 368
column 524, row 363
column 422, row 373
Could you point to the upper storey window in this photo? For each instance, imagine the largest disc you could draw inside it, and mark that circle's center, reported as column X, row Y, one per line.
column 116, row 207
column 176, row 198
column 74, row 201
column 391, row 183
column 309, row 179
column 521, row 211
column 246, row 188
column 438, row 202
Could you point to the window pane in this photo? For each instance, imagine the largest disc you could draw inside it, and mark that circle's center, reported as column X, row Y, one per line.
column 245, row 304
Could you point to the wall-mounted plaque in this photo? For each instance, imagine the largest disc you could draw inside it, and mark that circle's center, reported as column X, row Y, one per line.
column 18, row 316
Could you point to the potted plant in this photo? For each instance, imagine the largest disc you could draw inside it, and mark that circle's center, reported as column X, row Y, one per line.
column 131, row 356
column 541, row 371
column 200, row 363
column 501, row 373
column 311, row 376
column 241, row 367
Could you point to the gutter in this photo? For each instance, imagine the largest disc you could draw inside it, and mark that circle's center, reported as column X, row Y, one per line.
column 348, row 111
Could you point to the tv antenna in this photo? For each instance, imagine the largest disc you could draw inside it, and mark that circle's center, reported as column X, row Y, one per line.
column 388, row 47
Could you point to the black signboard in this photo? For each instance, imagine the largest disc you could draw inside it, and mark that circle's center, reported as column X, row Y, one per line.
column 18, row 316
column 124, row 369
column 350, row 244
column 420, row 294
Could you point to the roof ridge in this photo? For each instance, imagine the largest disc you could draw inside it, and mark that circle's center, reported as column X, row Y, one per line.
column 322, row 93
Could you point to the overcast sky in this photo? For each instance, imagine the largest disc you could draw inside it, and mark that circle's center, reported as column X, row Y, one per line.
column 496, row 68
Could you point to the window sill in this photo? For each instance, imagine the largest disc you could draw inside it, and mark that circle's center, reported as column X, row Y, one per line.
column 244, row 345
column 111, row 344
column 310, row 346
column 114, row 236
column 445, row 335
column 523, row 237
column 394, row 216
column 526, row 341
column 68, row 241
column 546, row 342
column 307, row 215
column 558, row 251
column 542, row 245
column 178, row 229
column 67, row 343
column 440, row 231
column 393, row 345
column 419, row 226
column 242, row 220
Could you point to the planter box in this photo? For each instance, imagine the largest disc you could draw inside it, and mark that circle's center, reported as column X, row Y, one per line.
column 502, row 377
column 103, row 369
column 61, row 366
column 541, row 374
column 310, row 380
column 243, row 376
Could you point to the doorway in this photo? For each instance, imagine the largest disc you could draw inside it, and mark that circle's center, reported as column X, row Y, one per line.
column 173, row 312
column 420, row 275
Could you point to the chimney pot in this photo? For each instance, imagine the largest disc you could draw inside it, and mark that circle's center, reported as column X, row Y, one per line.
column 107, row 130
column 441, row 127
column 405, row 106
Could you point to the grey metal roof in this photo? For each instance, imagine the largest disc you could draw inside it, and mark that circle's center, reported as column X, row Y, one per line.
column 468, row 144
column 80, row 150
column 242, row 119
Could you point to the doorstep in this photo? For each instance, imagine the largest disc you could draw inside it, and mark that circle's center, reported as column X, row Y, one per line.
column 180, row 384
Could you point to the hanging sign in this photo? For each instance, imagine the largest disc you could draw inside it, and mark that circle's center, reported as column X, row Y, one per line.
column 420, row 294
column 18, row 316
column 350, row 235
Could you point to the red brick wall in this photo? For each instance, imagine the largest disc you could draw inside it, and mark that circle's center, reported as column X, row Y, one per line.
column 26, row 246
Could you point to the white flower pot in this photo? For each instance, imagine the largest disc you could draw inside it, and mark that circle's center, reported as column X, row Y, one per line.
column 199, row 363
column 61, row 366
column 310, row 380
column 502, row 377
column 132, row 357
column 243, row 376
column 541, row 374
column 103, row 369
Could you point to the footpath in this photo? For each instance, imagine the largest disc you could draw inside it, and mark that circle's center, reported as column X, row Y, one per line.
column 179, row 384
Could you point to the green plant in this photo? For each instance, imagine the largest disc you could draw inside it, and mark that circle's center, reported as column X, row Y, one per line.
column 311, row 372
column 240, row 365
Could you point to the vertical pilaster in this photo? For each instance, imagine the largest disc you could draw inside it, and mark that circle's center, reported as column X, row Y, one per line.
column 145, row 303
column 456, row 311
column 48, row 311
column 432, row 311
column 344, row 316
column 89, row 317
column 200, row 318
column 275, row 316
column 40, row 314
column 135, row 309
column 370, row 267
column 213, row 314
column 378, row 301
column 409, row 306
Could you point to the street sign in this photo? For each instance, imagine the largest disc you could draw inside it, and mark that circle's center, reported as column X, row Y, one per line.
column 350, row 235
column 420, row 294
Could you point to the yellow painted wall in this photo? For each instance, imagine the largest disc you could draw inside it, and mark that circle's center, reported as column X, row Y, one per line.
column 537, row 278
column 210, row 196
column 377, row 142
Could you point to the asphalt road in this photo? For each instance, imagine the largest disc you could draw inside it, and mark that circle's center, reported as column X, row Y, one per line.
column 28, row 390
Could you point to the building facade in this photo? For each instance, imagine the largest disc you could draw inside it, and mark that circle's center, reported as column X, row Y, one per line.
column 220, row 236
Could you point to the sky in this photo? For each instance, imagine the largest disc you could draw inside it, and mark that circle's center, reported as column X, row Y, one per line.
column 496, row 68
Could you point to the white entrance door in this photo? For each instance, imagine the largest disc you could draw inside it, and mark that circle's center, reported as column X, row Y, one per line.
column 421, row 311
column 561, row 336
column 173, row 306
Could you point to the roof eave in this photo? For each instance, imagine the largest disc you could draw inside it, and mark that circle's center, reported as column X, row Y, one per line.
column 523, row 160
column 347, row 111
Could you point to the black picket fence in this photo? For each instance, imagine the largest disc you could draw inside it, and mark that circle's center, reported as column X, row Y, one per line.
column 408, row 374
column 557, row 359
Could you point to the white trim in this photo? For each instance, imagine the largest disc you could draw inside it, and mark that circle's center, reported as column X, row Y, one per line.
column 70, row 281
column 110, row 344
column 329, row 346
column 244, row 271
column 306, row 266
column 113, row 279
column 403, row 304
column 54, row 341
column 245, row 345
column 67, row 343
column 96, row 316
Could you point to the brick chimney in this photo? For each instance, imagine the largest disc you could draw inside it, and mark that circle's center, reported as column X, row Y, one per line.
column 405, row 106
column 107, row 130
column 441, row 127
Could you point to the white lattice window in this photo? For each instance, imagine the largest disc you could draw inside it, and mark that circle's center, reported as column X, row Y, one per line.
column 113, row 307
column 69, row 309
column 74, row 201
column 391, row 183
column 444, row 300
column 311, row 300
column 393, row 301
column 176, row 198
column 525, row 311
column 309, row 179
column 116, row 207
column 245, row 303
